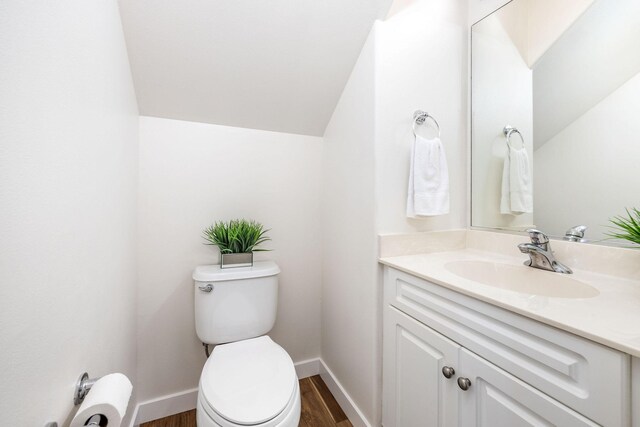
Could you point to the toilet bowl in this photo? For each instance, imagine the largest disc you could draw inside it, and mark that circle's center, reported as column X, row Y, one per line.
column 248, row 380
column 249, row 383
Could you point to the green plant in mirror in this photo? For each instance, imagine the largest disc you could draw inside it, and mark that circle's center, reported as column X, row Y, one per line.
column 236, row 236
column 627, row 228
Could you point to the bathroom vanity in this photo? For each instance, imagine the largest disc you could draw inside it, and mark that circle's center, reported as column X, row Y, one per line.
column 472, row 337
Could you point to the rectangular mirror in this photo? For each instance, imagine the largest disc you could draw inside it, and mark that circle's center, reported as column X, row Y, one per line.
column 561, row 79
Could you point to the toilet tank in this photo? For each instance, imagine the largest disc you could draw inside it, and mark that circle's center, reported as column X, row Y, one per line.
column 234, row 304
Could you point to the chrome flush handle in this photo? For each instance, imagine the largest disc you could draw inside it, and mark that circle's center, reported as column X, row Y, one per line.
column 206, row 288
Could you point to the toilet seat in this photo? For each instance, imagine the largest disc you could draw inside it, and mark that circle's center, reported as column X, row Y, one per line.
column 249, row 382
column 290, row 417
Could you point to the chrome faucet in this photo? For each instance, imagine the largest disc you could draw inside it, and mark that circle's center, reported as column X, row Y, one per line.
column 540, row 253
column 576, row 234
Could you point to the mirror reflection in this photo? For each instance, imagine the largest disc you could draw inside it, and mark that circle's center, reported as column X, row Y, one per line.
column 555, row 126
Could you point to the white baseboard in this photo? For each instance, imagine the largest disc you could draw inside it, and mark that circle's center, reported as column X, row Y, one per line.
column 165, row 406
column 308, row 368
column 349, row 407
column 172, row 404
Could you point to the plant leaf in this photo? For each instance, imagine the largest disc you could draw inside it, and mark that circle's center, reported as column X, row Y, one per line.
column 626, row 228
column 236, row 236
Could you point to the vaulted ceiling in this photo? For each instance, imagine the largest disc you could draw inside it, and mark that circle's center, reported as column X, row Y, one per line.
column 276, row 65
column 593, row 58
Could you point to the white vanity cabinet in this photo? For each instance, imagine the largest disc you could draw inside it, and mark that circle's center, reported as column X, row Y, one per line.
column 520, row 372
column 496, row 398
column 417, row 392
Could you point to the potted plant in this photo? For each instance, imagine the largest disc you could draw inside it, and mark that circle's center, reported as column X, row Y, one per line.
column 627, row 228
column 237, row 240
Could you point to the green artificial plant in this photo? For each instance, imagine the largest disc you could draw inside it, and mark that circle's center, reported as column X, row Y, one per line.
column 236, row 236
column 627, row 228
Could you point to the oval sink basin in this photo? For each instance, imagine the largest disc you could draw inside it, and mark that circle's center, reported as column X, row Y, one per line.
column 522, row 279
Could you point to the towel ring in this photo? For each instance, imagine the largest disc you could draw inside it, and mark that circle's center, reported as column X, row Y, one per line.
column 419, row 117
column 507, row 131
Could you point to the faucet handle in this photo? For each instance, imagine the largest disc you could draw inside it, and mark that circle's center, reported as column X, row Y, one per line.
column 537, row 237
column 576, row 232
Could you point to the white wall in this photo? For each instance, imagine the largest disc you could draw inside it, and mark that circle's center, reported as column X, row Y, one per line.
column 366, row 158
column 479, row 9
column 548, row 20
column 421, row 63
column 593, row 58
column 349, row 294
column 535, row 25
column 68, row 160
column 502, row 95
column 192, row 174
column 591, row 167
column 514, row 19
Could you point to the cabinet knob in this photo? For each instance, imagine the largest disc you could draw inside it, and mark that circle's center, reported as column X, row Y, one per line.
column 448, row 371
column 464, row 383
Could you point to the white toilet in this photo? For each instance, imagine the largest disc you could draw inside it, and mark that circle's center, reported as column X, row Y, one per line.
column 248, row 380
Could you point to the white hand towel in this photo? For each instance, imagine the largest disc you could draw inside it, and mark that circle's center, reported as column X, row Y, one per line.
column 517, row 190
column 428, row 193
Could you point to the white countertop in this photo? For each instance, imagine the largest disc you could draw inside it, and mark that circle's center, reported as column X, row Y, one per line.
column 611, row 318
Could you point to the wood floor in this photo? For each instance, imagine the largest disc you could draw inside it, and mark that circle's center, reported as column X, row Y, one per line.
column 319, row 409
column 185, row 419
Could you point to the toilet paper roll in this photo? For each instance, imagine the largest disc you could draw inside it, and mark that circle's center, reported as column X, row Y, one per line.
column 109, row 396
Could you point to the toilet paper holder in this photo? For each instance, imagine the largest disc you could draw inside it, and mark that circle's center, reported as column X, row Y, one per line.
column 96, row 420
column 83, row 386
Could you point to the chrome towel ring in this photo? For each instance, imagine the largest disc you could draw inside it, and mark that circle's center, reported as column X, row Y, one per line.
column 419, row 117
column 508, row 131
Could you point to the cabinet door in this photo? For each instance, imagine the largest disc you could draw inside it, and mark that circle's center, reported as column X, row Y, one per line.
column 635, row 392
column 416, row 393
column 498, row 399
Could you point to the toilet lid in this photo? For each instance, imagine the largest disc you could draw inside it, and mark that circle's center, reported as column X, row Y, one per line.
column 248, row 382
